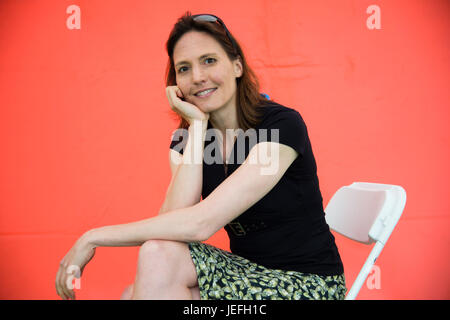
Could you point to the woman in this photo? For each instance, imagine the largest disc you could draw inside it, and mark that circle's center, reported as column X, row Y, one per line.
column 281, row 245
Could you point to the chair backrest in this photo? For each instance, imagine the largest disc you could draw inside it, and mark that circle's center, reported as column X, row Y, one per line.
column 367, row 213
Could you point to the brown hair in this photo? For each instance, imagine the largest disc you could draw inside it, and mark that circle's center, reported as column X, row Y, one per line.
column 248, row 96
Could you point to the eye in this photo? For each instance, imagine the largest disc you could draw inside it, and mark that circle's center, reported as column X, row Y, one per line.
column 210, row 59
column 181, row 69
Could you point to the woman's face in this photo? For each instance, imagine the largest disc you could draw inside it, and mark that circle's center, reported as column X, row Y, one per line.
column 201, row 64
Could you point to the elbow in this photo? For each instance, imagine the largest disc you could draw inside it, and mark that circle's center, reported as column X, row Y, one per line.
column 201, row 237
column 203, row 227
column 205, row 223
column 203, row 232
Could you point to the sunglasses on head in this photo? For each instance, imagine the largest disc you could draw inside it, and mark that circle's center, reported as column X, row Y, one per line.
column 213, row 18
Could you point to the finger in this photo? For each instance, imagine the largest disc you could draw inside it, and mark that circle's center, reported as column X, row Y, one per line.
column 168, row 93
column 62, row 283
column 59, row 281
column 58, row 292
column 67, row 284
column 180, row 93
column 170, row 97
column 171, row 89
column 173, row 94
column 175, row 102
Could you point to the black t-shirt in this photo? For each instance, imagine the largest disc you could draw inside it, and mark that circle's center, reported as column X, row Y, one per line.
column 286, row 229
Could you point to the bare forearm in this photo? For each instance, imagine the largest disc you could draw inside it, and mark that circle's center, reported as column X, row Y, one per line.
column 180, row 223
column 186, row 188
column 177, row 225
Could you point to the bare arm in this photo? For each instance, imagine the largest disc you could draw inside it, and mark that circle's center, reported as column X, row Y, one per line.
column 184, row 191
column 185, row 187
column 187, row 175
column 236, row 194
column 177, row 225
column 244, row 187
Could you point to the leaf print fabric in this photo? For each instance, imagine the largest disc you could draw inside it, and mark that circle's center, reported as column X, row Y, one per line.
column 225, row 276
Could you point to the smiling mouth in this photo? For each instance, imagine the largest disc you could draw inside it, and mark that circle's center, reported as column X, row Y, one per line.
column 205, row 93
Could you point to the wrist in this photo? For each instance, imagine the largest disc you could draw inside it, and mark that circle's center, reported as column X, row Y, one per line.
column 197, row 123
column 89, row 238
column 193, row 153
column 197, row 129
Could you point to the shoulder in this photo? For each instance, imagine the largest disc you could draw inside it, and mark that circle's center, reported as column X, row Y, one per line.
column 285, row 125
column 274, row 113
column 273, row 105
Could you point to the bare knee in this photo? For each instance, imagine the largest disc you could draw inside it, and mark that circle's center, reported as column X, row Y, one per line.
column 166, row 261
column 127, row 293
column 150, row 247
column 154, row 251
column 162, row 249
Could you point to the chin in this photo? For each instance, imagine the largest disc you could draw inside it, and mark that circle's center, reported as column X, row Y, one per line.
column 207, row 106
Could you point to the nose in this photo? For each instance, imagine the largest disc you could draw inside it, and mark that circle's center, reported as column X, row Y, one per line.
column 198, row 74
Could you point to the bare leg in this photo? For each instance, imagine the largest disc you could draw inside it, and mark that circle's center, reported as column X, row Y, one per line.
column 195, row 291
column 127, row 293
column 165, row 271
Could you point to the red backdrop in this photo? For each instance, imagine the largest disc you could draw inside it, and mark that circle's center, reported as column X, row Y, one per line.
column 85, row 125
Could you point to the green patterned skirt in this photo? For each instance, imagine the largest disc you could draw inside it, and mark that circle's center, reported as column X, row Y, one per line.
column 226, row 276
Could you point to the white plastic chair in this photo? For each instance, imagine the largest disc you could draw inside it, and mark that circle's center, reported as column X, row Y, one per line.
column 367, row 213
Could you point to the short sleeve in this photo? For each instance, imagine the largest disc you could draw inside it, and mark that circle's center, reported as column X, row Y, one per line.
column 179, row 140
column 290, row 129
